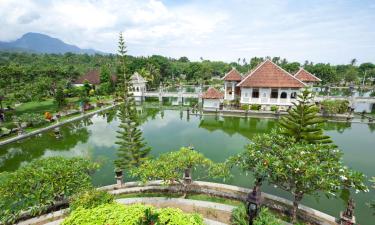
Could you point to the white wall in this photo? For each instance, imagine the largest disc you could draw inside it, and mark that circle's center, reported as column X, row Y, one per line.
column 211, row 103
column 265, row 96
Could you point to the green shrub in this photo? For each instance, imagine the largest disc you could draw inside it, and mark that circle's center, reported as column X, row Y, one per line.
column 41, row 183
column 136, row 214
column 265, row 217
column 245, row 107
column 31, row 119
column 90, row 198
column 335, row 106
column 255, row 107
column 239, row 216
column 274, row 108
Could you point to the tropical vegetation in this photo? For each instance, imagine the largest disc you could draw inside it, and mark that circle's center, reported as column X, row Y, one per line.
column 42, row 183
column 136, row 214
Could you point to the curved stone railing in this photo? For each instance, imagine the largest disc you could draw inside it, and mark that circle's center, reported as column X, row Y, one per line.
column 208, row 188
column 224, row 191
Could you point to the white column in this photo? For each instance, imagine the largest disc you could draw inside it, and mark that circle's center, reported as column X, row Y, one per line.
column 232, row 90
column 225, row 90
column 278, row 96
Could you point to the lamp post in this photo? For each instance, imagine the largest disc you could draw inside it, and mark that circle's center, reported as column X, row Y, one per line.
column 253, row 204
column 118, row 177
column 347, row 217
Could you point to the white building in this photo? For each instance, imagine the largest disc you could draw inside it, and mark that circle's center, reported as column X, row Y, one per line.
column 269, row 84
column 212, row 99
column 139, row 86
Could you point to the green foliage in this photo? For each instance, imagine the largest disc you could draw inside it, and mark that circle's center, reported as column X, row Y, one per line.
column 60, row 98
column 297, row 167
column 255, row 107
column 90, row 198
column 302, row 121
column 265, row 217
column 335, row 106
column 245, row 107
column 239, row 216
column 30, row 119
column 170, row 166
column 132, row 147
column 274, row 108
column 136, row 214
column 41, row 183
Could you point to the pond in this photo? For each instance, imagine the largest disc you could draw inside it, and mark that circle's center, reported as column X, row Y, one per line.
column 215, row 137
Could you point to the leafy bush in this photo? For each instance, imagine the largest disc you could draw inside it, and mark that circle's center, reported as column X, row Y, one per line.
column 245, row 107
column 265, row 217
column 31, row 119
column 90, row 198
column 130, row 215
column 335, row 106
column 274, row 108
column 255, row 107
column 40, row 184
column 239, row 216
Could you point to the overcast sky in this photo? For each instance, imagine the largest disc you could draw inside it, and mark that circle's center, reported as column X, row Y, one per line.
column 316, row 30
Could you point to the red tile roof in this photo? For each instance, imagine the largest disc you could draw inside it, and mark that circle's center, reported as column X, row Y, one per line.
column 93, row 77
column 268, row 74
column 233, row 75
column 212, row 93
column 306, row 76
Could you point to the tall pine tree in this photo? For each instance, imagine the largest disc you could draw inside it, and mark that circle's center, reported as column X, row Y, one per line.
column 132, row 147
column 303, row 122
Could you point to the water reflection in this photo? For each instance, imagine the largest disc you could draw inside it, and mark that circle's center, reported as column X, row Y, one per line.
column 13, row 155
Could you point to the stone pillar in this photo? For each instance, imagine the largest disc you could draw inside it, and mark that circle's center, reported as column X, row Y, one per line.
column 225, row 90
column 347, row 217
column 233, row 88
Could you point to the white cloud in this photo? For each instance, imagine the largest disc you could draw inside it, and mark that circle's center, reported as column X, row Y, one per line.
column 316, row 30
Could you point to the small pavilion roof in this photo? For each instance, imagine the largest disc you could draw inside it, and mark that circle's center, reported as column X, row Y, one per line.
column 212, row 93
column 137, row 78
column 306, row 76
column 233, row 75
column 269, row 75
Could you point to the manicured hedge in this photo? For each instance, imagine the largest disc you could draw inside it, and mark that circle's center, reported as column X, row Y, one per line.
column 117, row 214
column 41, row 183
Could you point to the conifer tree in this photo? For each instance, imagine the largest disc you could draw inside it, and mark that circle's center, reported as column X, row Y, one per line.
column 302, row 121
column 132, row 147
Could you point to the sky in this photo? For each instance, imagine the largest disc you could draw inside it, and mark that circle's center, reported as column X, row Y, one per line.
column 333, row 31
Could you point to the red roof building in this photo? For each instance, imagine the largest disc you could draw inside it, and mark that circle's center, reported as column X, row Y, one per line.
column 232, row 75
column 270, row 75
column 306, row 76
column 212, row 93
column 93, row 77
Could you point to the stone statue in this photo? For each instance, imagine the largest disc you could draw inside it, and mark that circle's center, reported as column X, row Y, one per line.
column 349, row 212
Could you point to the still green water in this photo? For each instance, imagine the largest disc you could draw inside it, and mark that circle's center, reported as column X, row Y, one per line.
column 215, row 137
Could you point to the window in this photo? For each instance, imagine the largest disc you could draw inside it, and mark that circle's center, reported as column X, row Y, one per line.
column 293, row 95
column 255, row 93
column 283, row 95
column 274, row 93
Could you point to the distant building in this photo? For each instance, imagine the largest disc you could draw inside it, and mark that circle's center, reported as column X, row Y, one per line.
column 93, row 77
column 231, row 80
column 212, row 98
column 139, row 86
column 269, row 84
column 306, row 77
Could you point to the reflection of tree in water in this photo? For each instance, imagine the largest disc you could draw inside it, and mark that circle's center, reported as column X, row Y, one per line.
column 12, row 155
column 148, row 113
column 109, row 114
column 338, row 126
column 371, row 127
column 246, row 127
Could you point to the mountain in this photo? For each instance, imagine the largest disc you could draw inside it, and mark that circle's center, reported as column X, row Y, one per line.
column 41, row 43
